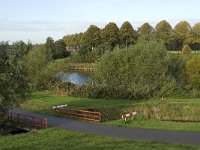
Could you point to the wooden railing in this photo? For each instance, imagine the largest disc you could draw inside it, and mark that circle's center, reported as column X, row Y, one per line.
column 80, row 114
column 27, row 120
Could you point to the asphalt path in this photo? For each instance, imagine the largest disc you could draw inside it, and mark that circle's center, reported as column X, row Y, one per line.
column 137, row 134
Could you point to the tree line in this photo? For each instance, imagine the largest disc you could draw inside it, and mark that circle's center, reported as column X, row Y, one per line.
column 95, row 41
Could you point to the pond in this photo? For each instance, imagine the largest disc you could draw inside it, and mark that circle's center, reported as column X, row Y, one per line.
column 79, row 78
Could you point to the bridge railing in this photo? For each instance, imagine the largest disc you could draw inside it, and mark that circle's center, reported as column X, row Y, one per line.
column 28, row 120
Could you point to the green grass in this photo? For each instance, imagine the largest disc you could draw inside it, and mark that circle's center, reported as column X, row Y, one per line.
column 42, row 102
column 60, row 139
column 157, row 125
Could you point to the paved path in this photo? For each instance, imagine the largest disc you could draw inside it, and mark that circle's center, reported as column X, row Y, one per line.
column 120, row 132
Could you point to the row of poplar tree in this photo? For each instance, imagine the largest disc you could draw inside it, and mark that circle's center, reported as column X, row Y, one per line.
column 111, row 36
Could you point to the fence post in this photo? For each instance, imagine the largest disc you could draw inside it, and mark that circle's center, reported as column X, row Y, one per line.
column 32, row 122
column 46, row 123
column 100, row 117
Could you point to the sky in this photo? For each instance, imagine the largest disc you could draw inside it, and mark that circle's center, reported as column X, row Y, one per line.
column 35, row 20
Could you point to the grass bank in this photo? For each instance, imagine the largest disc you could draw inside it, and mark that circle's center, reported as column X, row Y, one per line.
column 157, row 124
column 150, row 112
column 59, row 139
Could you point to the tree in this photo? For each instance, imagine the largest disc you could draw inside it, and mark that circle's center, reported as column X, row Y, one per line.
column 50, row 46
column 20, row 48
column 127, row 34
column 72, row 41
column 13, row 86
column 92, row 37
column 60, row 48
column 182, row 30
column 194, row 37
column 110, row 35
column 164, row 34
column 35, row 61
column 146, row 32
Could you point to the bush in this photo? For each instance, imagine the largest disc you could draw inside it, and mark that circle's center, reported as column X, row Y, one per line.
column 193, row 71
column 170, row 88
column 137, row 71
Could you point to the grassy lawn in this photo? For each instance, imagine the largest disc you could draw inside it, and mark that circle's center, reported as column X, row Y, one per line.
column 60, row 139
column 158, row 125
column 42, row 102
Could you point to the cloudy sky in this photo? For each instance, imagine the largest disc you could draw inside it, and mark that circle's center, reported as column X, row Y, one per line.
column 35, row 20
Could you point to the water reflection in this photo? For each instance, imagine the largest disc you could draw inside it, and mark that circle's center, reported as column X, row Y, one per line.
column 79, row 78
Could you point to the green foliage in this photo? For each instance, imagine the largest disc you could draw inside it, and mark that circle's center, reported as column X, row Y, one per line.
column 182, row 30
column 73, row 41
column 194, row 37
column 60, row 50
column 138, row 71
column 35, row 61
column 110, row 35
column 13, row 86
column 20, row 48
column 170, row 88
column 193, row 71
column 146, row 32
column 50, row 46
column 92, row 37
column 127, row 34
column 164, row 34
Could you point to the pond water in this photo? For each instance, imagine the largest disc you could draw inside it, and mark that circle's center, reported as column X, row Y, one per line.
column 79, row 78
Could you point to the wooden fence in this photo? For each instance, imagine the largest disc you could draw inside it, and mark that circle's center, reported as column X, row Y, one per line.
column 27, row 121
column 80, row 114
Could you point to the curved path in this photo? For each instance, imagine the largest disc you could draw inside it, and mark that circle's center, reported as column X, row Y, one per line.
column 120, row 132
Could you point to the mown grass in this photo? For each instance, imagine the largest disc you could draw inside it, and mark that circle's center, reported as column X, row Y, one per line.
column 60, row 139
column 43, row 101
column 157, row 125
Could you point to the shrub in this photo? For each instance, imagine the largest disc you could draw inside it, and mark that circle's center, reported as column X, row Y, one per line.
column 193, row 71
column 137, row 71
